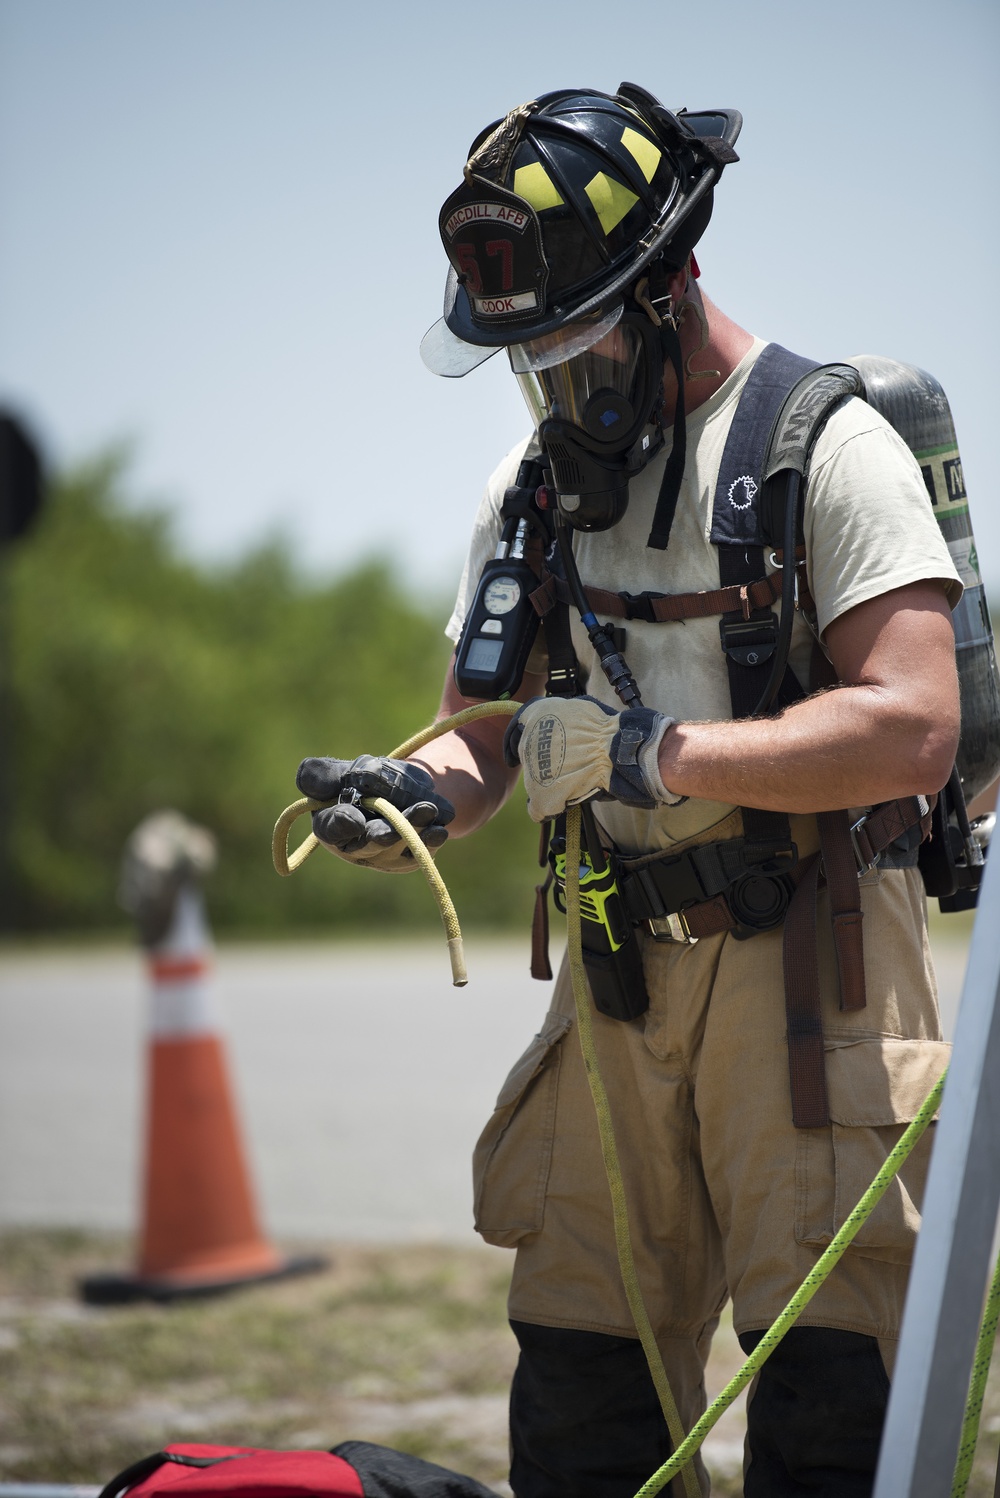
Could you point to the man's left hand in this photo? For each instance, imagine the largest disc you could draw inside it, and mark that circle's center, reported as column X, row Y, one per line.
column 572, row 749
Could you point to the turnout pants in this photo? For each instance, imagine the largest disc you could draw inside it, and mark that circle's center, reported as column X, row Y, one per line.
column 727, row 1200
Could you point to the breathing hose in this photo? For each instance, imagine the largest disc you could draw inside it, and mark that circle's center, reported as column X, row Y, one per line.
column 680, row 1462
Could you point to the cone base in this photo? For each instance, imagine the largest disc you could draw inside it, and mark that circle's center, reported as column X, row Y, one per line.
column 122, row 1289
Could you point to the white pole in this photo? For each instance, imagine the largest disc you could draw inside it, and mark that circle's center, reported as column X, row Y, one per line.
column 951, row 1266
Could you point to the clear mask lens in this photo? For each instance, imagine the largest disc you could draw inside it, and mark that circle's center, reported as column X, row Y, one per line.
column 560, row 372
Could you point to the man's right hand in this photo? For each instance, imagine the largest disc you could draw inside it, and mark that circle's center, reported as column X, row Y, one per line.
column 361, row 836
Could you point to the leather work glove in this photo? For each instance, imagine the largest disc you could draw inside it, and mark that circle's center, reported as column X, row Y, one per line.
column 362, row 836
column 574, row 748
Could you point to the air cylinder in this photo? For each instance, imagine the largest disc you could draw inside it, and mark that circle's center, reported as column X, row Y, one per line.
column 915, row 404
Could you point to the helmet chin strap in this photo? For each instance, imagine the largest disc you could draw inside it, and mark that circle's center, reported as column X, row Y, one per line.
column 692, row 302
column 673, row 473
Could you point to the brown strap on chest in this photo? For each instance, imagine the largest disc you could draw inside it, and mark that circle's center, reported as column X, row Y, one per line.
column 665, row 608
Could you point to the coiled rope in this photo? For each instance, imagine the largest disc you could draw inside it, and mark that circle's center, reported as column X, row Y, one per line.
column 685, row 1447
column 286, row 863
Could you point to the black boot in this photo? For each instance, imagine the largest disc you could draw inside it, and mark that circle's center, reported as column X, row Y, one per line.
column 815, row 1422
column 585, row 1420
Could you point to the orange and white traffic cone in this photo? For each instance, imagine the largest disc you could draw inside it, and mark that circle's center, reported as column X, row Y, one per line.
column 200, row 1231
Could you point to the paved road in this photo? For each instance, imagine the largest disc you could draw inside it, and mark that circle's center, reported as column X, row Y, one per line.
column 363, row 1078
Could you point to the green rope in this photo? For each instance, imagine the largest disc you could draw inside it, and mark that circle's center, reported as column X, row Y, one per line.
column 803, row 1295
column 977, row 1388
column 612, row 1165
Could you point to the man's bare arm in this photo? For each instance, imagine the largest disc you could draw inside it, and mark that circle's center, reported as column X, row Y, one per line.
column 891, row 729
column 468, row 766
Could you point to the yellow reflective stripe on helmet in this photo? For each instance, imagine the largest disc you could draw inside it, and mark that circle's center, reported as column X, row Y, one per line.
column 646, row 154
column 610, row 199
column 535, row 186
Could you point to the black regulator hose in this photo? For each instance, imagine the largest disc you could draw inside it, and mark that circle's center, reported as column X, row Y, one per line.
column 787, row 615
column 613, row 663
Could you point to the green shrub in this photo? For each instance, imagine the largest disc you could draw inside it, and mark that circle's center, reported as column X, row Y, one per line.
column 139, row 680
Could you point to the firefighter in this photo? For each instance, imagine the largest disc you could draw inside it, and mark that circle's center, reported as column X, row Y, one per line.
column 766, row 1059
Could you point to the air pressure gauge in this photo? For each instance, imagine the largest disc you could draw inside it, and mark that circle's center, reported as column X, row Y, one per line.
column 501, row 594
column 499, row 631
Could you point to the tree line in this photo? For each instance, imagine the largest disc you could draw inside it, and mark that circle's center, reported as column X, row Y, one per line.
column 138, row 679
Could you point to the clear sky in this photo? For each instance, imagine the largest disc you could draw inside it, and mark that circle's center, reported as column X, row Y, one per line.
column 218, row 232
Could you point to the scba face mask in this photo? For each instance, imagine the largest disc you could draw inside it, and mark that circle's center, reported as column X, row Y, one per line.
column 595, row 392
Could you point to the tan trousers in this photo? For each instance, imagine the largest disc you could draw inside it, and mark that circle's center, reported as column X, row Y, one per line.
column 726, row 1198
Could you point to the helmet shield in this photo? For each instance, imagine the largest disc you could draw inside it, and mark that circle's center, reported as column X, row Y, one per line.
column 564, row 343
column 597, row 387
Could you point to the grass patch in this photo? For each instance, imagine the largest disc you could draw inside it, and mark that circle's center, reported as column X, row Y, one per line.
column 408, row 1346
column 405, row 1345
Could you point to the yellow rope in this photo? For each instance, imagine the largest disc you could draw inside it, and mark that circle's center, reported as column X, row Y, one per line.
column 609, row 1150
column 452, row 930
column 286, row 862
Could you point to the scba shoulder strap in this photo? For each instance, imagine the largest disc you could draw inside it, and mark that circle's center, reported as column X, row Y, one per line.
column 809, row 402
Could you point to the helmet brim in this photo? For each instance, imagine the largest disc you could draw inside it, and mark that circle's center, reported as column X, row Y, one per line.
column 444, row 352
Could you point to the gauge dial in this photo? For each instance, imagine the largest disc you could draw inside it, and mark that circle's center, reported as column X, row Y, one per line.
column 501, row 595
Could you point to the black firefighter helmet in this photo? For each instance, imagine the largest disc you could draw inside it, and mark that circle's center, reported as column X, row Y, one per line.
column 565, row 203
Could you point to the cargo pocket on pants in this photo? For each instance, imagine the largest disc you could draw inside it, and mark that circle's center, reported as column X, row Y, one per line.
column 875, row 1088
column 510, row 1164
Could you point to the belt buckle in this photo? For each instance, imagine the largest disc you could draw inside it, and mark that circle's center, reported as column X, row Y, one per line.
column 865, row 865
column 672, row 928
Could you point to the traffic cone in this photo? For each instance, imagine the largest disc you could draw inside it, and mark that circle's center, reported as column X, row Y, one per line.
column 200, row 1232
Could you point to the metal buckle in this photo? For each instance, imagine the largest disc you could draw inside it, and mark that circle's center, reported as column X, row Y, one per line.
column 672, row 928
column 779, row 566
column 865, row 866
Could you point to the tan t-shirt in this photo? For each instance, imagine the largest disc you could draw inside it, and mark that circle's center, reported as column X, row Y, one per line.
column 868, row 528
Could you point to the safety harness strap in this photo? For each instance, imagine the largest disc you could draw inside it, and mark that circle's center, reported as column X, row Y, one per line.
column 668, row 608
column 841, row 873
column 846, row 853
column 541, row 967
column 806, row 1059
column 800, row 958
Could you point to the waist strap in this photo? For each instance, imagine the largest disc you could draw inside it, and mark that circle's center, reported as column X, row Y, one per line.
column 665, row 885
column 672, row 883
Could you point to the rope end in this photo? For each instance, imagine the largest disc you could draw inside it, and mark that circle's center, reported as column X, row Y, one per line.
column 456, row 952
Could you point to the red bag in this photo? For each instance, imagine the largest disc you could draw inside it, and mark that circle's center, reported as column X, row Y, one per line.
column 197, row 1470
column 354, row 1469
